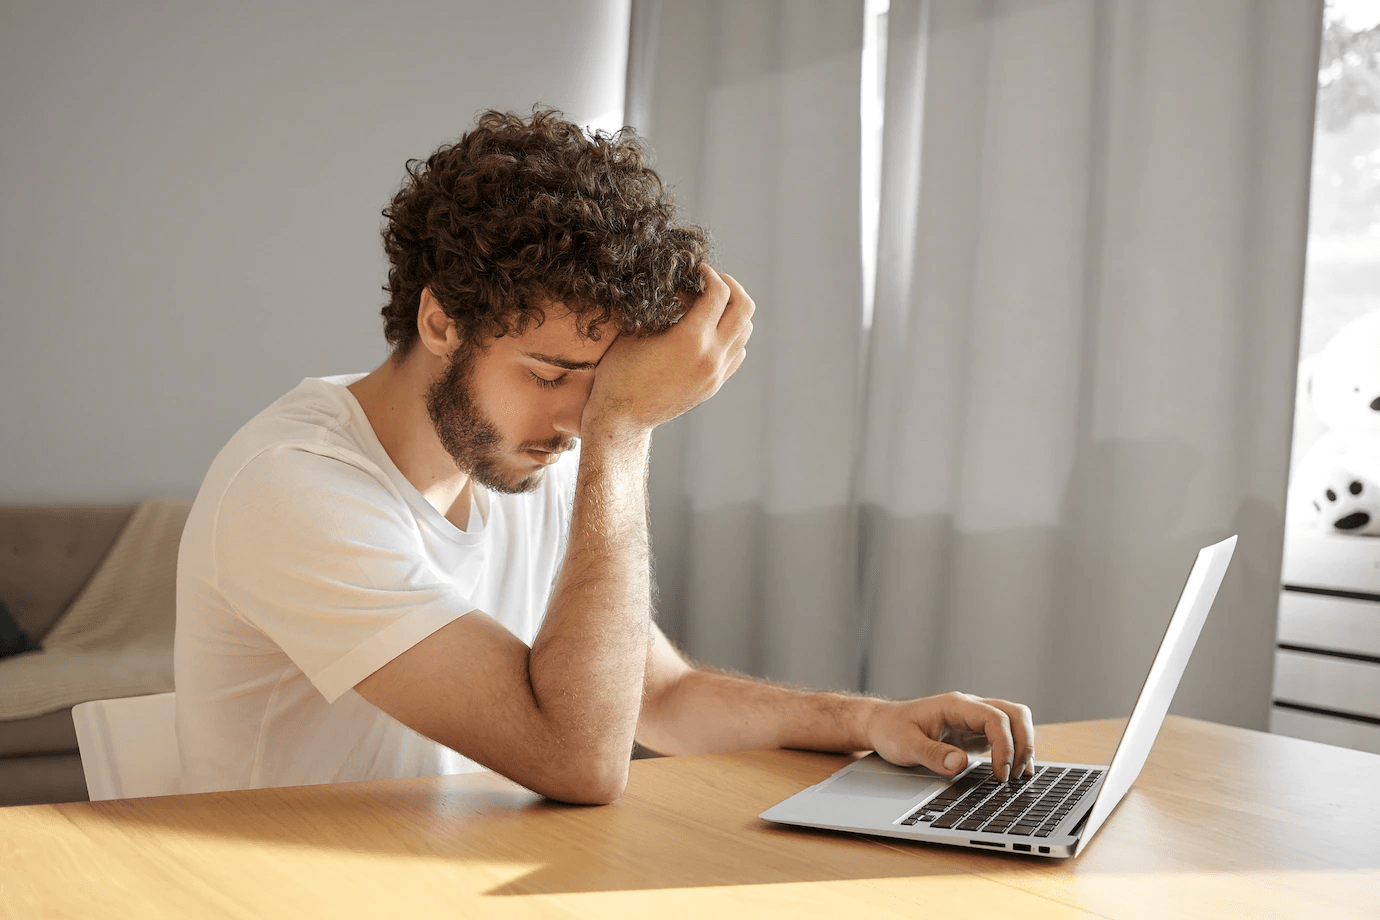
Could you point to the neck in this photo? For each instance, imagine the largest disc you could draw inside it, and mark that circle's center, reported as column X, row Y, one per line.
column 393, row 397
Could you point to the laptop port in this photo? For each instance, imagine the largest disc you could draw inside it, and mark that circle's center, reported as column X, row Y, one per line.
column 1021, row 847
column 987, row 843
column 1044, row 849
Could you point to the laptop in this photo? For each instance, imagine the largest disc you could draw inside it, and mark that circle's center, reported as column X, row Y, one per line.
column 1053, row 813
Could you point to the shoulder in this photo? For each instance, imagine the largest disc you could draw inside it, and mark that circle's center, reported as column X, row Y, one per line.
column 318, row 413
column 300, row 464
column 315, row 426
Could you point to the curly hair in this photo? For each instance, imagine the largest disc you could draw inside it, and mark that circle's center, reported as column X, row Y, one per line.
column 521, row 213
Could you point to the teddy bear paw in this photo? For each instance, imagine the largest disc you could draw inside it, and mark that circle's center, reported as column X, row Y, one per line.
column 1349, row 506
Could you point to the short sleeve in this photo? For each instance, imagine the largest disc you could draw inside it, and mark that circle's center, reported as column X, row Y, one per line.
column 324, row 557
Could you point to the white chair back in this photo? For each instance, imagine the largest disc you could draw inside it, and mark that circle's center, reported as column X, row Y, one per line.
column 129, row 746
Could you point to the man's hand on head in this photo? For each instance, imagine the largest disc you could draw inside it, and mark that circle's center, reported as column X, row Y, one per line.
column 938, row 732
column 643, row 381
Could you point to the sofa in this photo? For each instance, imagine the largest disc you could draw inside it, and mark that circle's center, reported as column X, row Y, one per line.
column 95, row 585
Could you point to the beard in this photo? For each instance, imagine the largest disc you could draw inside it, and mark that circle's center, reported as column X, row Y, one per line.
column 471, row 438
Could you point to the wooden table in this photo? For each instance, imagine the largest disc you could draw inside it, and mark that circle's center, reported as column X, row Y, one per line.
column 1223, row 822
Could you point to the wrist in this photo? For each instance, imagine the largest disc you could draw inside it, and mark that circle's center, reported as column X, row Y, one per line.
column 614, row 459
column 866, row 711
column 611, row 431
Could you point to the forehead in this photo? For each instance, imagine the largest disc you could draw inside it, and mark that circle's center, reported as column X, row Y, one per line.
column 559, row 336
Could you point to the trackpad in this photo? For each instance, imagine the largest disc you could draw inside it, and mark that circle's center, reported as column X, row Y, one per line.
column 881, row 785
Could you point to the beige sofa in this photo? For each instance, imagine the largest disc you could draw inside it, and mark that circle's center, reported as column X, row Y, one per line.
column 95, row 586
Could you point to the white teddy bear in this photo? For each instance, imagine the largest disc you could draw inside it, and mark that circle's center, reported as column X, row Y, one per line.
column 1337, row 485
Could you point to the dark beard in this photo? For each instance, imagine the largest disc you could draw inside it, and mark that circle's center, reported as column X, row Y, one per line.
column 472, row 441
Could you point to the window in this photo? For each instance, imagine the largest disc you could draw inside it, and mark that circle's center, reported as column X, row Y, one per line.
column 872, row 107
column 1342, row 278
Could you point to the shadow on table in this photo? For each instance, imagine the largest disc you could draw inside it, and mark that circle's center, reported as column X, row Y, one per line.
column 646, row 841
column 682, row 827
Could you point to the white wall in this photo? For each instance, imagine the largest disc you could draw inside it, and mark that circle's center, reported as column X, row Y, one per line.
column 190, row 197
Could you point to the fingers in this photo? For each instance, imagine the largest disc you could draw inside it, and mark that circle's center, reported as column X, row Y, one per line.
column 969, row 712
column 723, row 312
column 651, row 379
column 709, row 305
column 938, row 756
column 739, row 309
column 735, row 363
column 735, row 319
column 993, row 721
column 1022, row 736
column 930, row 731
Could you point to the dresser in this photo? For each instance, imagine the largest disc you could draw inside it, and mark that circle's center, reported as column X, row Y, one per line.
column 1327, row 660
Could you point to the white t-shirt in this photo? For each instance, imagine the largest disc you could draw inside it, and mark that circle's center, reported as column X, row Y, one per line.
column 308, row 562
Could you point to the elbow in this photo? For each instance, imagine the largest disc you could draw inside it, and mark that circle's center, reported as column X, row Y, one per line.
column 592, row 794
column 594, row 781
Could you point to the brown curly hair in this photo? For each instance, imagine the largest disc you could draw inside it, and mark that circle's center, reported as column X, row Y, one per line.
column 521, row 213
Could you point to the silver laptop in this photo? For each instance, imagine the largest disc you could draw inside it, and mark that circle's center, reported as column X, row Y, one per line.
column 1053, row 813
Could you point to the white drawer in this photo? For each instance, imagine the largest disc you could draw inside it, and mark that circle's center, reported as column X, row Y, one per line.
column 1334, row 623
column 1359, row 735
column 1331, row 683
column 1329, row 561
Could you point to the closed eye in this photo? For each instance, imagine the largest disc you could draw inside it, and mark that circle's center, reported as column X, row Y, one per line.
column 548, row 384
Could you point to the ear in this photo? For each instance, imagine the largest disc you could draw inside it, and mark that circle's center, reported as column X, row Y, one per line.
column 435, row 330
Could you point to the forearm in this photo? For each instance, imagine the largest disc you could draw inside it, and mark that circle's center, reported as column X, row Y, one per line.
column 706, row 711
column 588, row 662
column 691, row 710
column 588, row 665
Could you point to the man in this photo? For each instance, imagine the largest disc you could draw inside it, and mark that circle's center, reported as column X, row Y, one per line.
column 414, row 571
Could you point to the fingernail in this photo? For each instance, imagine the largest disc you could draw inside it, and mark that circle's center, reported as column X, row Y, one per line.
column 954, row 761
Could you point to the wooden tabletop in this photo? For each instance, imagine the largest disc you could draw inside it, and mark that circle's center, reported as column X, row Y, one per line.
column 1223, row 822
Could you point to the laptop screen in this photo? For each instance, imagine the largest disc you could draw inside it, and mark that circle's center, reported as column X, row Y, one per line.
column 1153, row 703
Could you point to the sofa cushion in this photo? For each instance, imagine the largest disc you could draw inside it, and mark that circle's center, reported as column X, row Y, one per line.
column 51, row 733
column 48, row 553
column 116, row 638
column 13, row 639
column 59, row 678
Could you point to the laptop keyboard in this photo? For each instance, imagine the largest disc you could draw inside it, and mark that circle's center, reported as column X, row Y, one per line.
column 1030, row 806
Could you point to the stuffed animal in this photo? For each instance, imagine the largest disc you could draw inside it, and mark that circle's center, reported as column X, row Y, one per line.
column 1343, row 379
column 1336, row 487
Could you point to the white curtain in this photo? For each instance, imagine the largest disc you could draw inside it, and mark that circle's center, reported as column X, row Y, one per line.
column 1081, row 364
column 752, row 108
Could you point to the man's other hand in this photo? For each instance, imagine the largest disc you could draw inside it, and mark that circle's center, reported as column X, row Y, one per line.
column 646, row 380
column 924, row 732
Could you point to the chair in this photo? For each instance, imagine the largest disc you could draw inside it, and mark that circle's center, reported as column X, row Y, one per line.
column 129, row 746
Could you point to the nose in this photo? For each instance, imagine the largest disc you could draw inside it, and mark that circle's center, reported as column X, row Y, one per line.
column 568, row 426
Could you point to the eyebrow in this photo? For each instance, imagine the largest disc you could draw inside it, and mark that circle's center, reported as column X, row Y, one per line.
column 558, row 361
